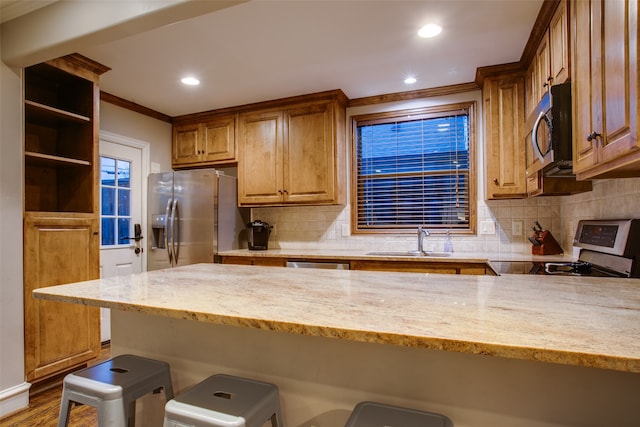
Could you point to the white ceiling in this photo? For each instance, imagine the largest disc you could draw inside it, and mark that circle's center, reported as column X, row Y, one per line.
column 269, row 49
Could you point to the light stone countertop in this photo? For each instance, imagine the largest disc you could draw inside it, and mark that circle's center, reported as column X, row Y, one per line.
column 580, row 321
column 348, row 254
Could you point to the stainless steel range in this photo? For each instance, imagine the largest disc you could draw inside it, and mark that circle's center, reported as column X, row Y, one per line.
column 608, row 248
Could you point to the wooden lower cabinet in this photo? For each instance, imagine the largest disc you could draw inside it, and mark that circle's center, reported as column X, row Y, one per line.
column 264, row 261
column 473, row 268
column 422, row 267
column 59, row 249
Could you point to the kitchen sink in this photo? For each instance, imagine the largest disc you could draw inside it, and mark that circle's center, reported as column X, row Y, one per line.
column 410, row 253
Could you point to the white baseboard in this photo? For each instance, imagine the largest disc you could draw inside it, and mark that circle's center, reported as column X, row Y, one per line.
column 14, row 398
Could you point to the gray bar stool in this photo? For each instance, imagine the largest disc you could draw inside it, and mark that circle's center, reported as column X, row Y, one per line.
column 371, row 414
column 113, row 387
column 225, row 401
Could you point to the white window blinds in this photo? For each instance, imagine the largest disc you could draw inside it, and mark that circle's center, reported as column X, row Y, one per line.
column 413, row 170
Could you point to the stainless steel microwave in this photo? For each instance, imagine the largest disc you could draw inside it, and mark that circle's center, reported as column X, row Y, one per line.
column 550, row 125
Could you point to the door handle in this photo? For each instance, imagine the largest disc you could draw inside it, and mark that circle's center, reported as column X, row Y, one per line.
column 167, row 231
column 175, row 231
column 534, row 136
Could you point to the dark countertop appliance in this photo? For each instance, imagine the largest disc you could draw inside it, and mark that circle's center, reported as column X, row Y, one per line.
column 258, row 235
column 608, row 248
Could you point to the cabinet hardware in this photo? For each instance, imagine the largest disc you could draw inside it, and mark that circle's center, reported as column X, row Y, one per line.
column 593, row 136
column 495, row 181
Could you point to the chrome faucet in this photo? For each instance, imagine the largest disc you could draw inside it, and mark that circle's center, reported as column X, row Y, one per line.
column 422, row 233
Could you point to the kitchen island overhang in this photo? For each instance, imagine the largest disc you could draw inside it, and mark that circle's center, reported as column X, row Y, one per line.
column 566, row 320
column 330, row 339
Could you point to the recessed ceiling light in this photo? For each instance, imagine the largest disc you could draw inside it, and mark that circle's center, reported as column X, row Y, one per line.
column 190, row 81
column 429, row 30
column 410, row 80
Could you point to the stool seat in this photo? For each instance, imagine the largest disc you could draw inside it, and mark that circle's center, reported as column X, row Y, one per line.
column 225, row 401
column 113, row 386
column 371, row 414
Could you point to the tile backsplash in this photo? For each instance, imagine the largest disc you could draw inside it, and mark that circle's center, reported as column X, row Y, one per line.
column 318, row 227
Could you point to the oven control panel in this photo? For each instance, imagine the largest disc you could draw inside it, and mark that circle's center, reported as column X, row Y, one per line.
column 616, row 237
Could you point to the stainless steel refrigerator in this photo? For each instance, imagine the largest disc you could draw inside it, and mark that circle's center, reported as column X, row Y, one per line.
column 192, row 215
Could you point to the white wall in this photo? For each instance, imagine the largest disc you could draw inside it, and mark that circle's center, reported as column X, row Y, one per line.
column 133, row 125
column 13, row 389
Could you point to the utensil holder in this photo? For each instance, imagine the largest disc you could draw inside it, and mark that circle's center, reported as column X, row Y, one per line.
column 547, row 244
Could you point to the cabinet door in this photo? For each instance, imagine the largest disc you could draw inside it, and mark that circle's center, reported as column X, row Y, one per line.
column 582, row 90
column 504, row 121
column 606, row 89
column 186, row 149
column 59, row 336
column 543, row 77
column 559, row 45
column 218, row 143
column 619, row 69
column 260, row 158
column 531, row 89
column 309, row 171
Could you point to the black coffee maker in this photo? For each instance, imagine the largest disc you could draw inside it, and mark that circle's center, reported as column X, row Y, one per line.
column 258, row 235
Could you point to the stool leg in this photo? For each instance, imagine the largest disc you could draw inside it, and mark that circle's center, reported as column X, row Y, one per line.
column 112, row 413
column 276, row 419
column 65, row 404
column 131, row 414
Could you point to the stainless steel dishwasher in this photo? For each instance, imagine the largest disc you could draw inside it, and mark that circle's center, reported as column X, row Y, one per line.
column 319, row 264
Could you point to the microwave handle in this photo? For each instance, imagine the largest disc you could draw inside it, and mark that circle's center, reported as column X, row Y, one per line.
column 534, row 136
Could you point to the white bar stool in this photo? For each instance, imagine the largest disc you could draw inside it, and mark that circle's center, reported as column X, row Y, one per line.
column 113, row 387
column 371, row 414
column 225, row 401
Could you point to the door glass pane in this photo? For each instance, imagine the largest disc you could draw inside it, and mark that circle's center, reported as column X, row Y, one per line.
column 107, row 171
column 108, row 201
column 115, row 201
column 108, row 231
column 123, row 230
column 124, row 168
column 124, row 204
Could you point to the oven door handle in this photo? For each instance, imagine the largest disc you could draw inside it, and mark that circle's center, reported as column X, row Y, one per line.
column 534, row 136
column 548, row 270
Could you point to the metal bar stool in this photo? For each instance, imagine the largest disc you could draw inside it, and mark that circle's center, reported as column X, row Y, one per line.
column 371, row 414
column 113, row 387
column 225, row 401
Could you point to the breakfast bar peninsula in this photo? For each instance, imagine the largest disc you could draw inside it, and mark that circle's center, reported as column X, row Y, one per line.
column 510, row 350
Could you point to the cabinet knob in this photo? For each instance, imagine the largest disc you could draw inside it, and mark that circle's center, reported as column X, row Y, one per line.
column 495, row 181
column 279, row 191
column 593, row 136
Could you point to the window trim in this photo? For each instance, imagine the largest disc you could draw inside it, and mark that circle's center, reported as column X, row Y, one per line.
column 425, row 112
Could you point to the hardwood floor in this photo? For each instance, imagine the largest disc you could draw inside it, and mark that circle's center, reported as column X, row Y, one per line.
column 44, row 407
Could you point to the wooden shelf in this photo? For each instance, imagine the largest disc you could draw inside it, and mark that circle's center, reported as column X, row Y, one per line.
column 40, row 159
column 46, row 114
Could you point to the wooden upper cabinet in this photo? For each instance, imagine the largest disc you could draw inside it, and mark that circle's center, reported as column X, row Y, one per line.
column 605, row 89
column 293, row 154
column 206, row 143
column 550, row 65
column 543, row 72
column 309, row 175
column 559, row 45
column 504, row 136
column 260, row 179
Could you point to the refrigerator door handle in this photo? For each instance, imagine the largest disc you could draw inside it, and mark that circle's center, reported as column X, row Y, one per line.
column 175, row 231
column 167, row 231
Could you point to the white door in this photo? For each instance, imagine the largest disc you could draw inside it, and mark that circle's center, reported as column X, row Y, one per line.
column 122, row 196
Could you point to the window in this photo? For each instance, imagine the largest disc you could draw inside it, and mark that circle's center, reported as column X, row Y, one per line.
column 412, row 168
column 115, row 201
